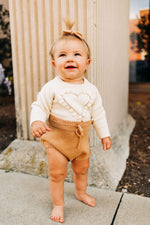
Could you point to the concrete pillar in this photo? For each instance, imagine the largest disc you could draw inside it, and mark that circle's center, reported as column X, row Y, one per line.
column 35, row 24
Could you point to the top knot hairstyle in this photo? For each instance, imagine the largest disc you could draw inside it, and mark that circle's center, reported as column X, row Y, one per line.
column 68, row 23
column 67, row 34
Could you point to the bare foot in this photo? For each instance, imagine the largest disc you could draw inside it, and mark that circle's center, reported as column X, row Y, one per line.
column 87, row 199
column 58, row 214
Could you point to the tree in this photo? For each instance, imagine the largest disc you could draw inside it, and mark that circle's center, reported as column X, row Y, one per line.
column 141, row 40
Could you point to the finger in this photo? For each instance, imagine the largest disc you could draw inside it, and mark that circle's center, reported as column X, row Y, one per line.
column 36, row 134
column 108, row 146
column 44, row 129
column 47, row 128
column 104, row 146
column 41, row 131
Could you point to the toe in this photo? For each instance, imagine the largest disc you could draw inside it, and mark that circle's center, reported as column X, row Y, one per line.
column 61, row 220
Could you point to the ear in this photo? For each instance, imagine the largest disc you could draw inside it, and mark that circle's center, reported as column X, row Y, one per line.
column 88, row 62
column 53, row 63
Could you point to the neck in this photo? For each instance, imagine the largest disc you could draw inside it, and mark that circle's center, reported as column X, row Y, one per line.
column 73, row 81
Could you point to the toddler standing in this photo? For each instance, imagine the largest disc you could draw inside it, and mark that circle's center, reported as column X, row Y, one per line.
column 62, row 115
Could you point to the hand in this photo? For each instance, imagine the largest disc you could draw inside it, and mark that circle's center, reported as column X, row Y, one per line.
column 39, row 128
column 106, row 142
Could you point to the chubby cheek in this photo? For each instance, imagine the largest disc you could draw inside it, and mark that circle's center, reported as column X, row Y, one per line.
column 58, row 65
column 84, row 66
column 59, row 68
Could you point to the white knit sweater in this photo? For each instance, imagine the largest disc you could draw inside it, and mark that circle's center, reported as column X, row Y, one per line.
column 73, row 102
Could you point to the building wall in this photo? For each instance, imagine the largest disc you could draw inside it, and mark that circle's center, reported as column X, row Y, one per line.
column 133, row 54
column 35, row 24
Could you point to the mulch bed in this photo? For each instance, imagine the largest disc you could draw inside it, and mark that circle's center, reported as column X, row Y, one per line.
column 136, row 179
column 7, row 121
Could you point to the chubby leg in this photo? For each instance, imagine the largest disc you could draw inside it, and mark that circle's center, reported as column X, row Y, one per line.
column 80, row 169
column 57, row 173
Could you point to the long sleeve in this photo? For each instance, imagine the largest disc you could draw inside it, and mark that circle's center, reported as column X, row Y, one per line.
column 99, row 118
column 40, row 109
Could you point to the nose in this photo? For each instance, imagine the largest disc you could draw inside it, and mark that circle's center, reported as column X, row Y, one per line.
column 70, row 58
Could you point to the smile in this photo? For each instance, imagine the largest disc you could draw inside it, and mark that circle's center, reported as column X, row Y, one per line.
column 70, row 67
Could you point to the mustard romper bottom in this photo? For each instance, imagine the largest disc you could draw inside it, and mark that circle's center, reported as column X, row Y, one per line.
column 68, row 137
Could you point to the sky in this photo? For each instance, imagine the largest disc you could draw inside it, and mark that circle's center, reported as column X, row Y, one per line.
column 136, row 5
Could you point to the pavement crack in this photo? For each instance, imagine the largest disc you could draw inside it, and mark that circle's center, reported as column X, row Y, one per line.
column 113, row 220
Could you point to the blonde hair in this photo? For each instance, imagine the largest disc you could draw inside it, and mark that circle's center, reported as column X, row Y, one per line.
column 70, row 34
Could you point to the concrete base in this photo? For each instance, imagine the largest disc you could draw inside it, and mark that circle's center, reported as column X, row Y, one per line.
column 25, row 156
column 106, row 168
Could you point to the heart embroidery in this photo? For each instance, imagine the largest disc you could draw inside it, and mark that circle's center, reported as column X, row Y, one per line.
column 76, row 101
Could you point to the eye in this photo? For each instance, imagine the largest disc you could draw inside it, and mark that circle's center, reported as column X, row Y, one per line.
column 77, row 54
column 62, row 55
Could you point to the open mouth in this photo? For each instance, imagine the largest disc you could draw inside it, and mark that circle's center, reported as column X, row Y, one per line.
column 70, row 67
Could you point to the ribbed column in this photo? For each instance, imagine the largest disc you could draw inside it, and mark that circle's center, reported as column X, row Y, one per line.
column 108, row 36
column 35, row 24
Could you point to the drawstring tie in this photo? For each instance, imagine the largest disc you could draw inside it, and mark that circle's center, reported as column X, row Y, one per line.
column 79, row 133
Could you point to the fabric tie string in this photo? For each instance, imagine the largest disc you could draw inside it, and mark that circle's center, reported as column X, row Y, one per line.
column 79, row 133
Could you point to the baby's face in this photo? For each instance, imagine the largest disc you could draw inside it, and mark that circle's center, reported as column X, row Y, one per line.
column 70, row 60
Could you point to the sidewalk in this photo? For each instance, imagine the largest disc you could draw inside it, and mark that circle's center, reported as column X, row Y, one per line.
column 25, row 200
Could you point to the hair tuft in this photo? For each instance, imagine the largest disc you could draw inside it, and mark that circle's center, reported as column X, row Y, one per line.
column 68, row 23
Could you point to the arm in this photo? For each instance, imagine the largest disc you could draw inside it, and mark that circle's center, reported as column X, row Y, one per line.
column 100, row 122
column 41, row 108
column 40, row 111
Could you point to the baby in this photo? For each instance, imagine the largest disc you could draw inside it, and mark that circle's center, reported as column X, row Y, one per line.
column 62, row 115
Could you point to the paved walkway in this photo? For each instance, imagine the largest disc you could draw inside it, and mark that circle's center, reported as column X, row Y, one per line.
column 25, row 200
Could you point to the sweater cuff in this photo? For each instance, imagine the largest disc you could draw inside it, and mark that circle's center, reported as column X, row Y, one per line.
column 102, row 132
